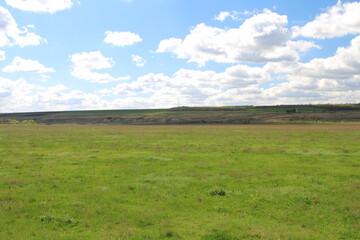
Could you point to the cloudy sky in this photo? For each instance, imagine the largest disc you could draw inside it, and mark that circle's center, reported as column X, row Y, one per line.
column 123, row 54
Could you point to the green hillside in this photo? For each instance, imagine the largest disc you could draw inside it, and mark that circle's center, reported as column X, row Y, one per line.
column 199, row 115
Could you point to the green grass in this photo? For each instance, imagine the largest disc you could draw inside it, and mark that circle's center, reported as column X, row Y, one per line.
column 180, row 182
column 85, row 113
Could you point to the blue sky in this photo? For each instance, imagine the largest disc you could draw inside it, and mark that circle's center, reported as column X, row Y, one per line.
column 123, row 54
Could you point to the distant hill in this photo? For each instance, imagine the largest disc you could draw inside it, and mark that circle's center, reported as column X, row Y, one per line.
column 199, row 115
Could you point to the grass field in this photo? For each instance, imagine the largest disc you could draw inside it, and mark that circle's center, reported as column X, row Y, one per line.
column 180, row 182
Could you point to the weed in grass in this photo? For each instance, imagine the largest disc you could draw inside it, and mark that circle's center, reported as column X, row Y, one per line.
column 219, row 235
column 217, row 192
column 169, row 234
column 65, row 221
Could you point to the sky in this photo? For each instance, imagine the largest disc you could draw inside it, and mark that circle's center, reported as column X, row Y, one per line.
column 58, row 55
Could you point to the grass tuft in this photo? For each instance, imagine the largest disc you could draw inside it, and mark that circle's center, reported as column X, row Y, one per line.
column 219, row 235
column 65, row 221
column 218, row 192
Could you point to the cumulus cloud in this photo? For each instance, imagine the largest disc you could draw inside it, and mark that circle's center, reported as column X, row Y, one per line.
column 20, row 96
column 339, row 20
column 2, row 55
column 259, row 39
column 234, row 15
column 138, row 60
column 342, row 68
column 59, row 97
column 243, row 76
column 44, row 78
column 46, row 6
column 345, row 63
column 332, row 79
column 26, row 65
column 13, row 95
column 169, row 45
column 85, row 63
column 194, row 87
column 222, row 16
column 339, row 72
column 121, row 39
column 202, row 88
column 323, row 80
column 10, row 34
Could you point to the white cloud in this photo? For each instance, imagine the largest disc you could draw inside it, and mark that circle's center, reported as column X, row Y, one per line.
column 339, row 72
column 11, row 35
column 59, row 97
column 122, row 39
column 327, row 80
column 323, row 80
column 48, row 6
column 26, row 65
column 222, row 16
column 138, row 60
column 44, row 78
column 193, row 87
column 169, row 45
column 332, row 79
column 345, row 64
column 281, row 67
column 2, row 55
column 84, row 64
column 243, row 76
column 20, row 96
column 260, row 39
column 8, row 87
column 234, row 15
column 301, row 45
column 337, row 21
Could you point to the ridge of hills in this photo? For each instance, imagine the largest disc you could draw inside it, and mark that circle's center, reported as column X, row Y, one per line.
column 320, row 113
